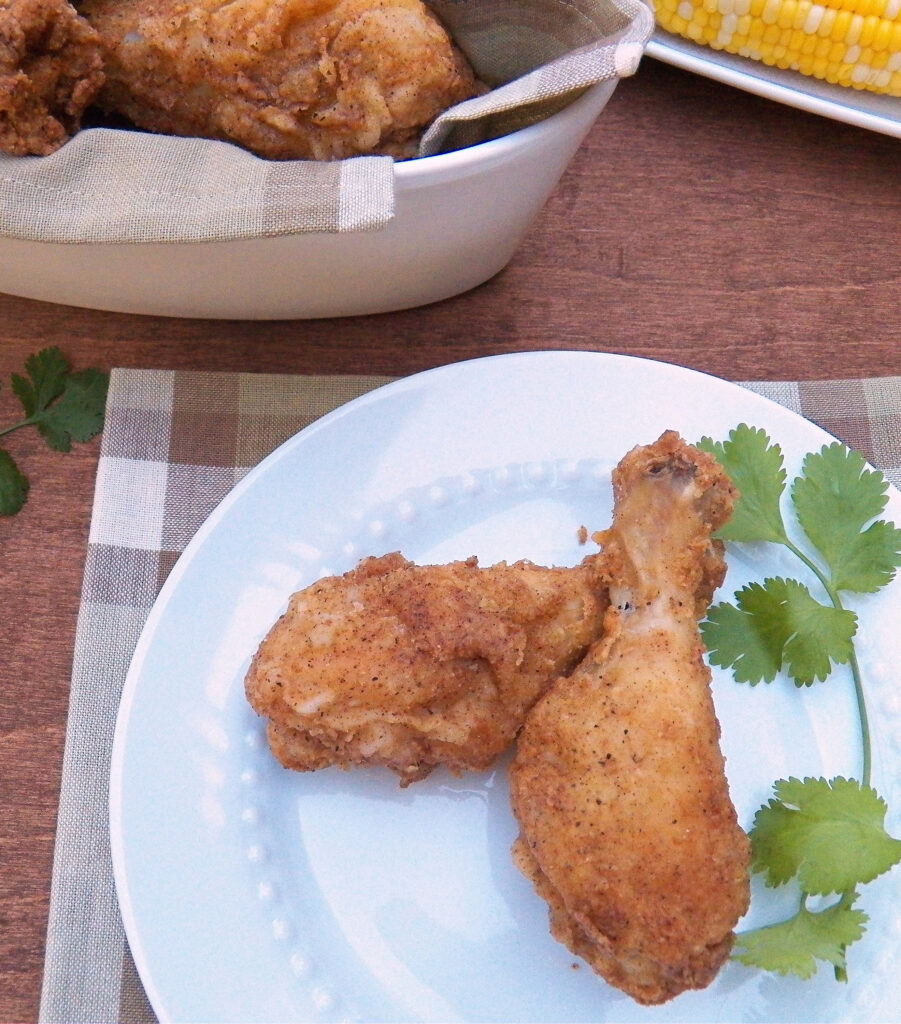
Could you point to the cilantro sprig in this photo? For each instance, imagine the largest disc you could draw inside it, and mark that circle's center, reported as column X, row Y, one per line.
column 826, row 836
column 794, row 946
column 64, row 406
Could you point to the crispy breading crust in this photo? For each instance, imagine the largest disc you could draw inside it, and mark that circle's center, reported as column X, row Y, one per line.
column 286, row 79
column 50, row 72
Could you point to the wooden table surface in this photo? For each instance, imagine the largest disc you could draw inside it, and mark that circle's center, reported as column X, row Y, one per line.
column 697, row 225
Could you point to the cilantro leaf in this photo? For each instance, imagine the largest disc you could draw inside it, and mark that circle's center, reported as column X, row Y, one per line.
column 756, row 468
column 835, row 497
column 735, row 640
column 77, row 415
column 774, row 626
column 794, row 946
column 63, row 406
column 13, row 485
column 47, row 372
column 811, row 826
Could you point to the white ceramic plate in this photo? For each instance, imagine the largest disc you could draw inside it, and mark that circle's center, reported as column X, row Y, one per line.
column 250, row 893
column 876, row 112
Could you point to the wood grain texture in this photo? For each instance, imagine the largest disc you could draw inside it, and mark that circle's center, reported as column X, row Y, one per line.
column 697, row 225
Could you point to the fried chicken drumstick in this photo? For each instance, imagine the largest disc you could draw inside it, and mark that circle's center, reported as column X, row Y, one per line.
column 286, row 79
column 627, row 829
column 417, row 666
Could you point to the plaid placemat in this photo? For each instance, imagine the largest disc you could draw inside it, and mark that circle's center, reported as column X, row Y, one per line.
column 173, row 446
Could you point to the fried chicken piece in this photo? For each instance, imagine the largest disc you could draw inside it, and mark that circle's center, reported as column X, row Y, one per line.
column 50, row 71
column 286, row 79
column 416, row 666
column 627, row 829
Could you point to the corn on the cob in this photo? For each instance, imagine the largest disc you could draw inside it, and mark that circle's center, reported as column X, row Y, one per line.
column 855, row 43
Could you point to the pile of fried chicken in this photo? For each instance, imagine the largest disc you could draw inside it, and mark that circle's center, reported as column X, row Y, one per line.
column 285, row 79
column 596, row 672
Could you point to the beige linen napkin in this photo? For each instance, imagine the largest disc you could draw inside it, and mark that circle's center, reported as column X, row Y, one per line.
column 173, row 446
column 113, row 185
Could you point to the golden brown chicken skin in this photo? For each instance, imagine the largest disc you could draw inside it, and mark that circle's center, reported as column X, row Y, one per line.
column 627, row 829
column 50, row 72
column 286, row 79
column 417, row 666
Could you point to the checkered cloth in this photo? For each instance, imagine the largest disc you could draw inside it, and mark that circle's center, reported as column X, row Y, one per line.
column 173, row 446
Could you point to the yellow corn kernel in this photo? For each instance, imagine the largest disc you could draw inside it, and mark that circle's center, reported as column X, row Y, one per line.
column 771, row 35
column 796, row 42
column 882, row 36
column 770, row 11
column 868, row 29
column 854, row 43
column 841, row 26
column 824, row 29
column 855, row 29
column 785, row 16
